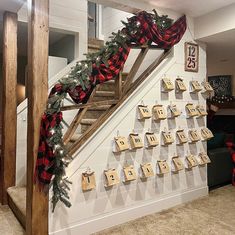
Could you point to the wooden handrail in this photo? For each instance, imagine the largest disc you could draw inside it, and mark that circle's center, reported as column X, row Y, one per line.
column 87, row 134
column 89, row 105
column 135, row 68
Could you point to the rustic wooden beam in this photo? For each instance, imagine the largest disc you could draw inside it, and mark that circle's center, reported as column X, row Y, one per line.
column 38, row 40
column 135, row 69
column 88, row 105
column 77, row 119
column 9, row 105
column 87, row 134
column 118, row 86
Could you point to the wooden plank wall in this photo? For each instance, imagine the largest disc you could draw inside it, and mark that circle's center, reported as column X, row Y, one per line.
column 9, row 105
column 38, row 39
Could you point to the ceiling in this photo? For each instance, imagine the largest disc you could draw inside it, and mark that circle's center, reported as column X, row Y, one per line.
column 193, row 8
column 221, row 46
column 10, row 5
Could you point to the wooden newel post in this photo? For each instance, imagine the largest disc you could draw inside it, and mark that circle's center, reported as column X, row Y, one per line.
column 8, row 159
column 38, row 40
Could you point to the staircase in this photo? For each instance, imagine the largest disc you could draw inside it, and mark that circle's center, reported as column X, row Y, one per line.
column 104, row 100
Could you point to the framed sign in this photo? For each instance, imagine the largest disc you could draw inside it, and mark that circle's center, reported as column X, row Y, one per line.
column 191, row 51
column 222, row 84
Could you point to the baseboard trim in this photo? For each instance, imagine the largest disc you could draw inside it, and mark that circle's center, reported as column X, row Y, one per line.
column 118, row 217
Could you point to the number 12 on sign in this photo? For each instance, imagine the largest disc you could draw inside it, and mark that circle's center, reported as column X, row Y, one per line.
column 191, row 51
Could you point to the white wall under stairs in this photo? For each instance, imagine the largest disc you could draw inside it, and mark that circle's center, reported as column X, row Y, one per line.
column 101, row 208
column 22, row 121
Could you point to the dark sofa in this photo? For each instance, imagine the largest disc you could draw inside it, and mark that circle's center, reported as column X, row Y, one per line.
column 220, row 169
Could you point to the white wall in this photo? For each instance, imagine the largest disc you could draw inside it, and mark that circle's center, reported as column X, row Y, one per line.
column 215, row 68
column 102, row 208
column 215, row 22
column 69, row 15
column 55, row 64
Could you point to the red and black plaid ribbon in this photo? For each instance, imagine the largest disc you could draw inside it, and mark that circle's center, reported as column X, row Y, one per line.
column 100, row 74
column 231, row 146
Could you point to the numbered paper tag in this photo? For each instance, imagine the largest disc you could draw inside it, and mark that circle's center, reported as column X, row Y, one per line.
column 159, row 112
column 181, row 137
column 208, row 87
column 203, row 158
column 144, row 112
column 88, row 180
column 195, row 86
column 151, row 140
column 167, row 138
column 177, row 164
column 193, row 135
column 147, row 170
column 129, row 173
column 111, row 177
column 201, row 110
column 191, row 111
column 206, row 133
column 173, row 111
column 163, row 167
column 167, row 85
column 180, row 86
column 191, row 161
column 121, row 144
column 135, row 141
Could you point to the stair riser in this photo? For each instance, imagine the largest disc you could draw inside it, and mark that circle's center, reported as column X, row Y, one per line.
column 102, row 98
column 106, row 87
column 93, row 114
column 93, row 50
column 84, row 128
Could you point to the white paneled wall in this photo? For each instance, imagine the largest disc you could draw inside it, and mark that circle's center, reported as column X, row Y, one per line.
column 69, row 15
column 101, row 208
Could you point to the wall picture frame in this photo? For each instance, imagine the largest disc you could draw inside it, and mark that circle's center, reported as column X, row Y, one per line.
column 191, row 52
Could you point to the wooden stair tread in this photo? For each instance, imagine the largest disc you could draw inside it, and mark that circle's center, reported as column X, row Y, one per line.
column 88, row 121
column 17, row 202
column 100, row 108
column 105, row 93
column 75, row 137
column 96, row 42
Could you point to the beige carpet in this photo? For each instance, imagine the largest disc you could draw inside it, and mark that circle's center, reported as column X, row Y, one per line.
column 9, row 225
column 211, row 215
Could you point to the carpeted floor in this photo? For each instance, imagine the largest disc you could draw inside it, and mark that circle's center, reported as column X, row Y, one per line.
column 9, row 225
column 211, row 215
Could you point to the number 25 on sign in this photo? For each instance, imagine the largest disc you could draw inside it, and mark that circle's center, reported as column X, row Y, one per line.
column 191, row 51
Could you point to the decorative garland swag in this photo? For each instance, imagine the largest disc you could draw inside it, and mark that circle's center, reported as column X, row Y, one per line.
column 98, row 68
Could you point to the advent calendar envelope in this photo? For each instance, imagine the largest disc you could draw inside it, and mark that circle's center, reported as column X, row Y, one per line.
column 167, row 85
column 180, row 86
column 111, row 177
column 129, row 173
column 120, row 144
column 163, row 167
column 135, row 141
column 144, row 112
column 177, row 164
column 159, row 112
column 88, row 180
column 147, row 170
